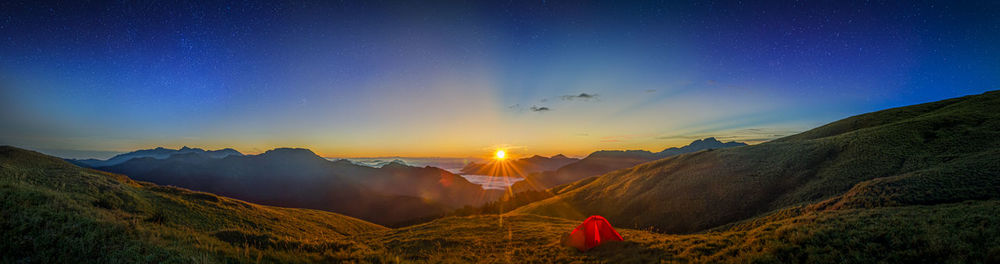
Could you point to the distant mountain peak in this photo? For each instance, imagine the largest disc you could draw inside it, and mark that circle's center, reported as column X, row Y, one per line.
column 229, row 151
column 700, row 144
column 535, row 158
column 559, row 156
column 289, row 151
column 395, row 164
column 343, row 162
column 155, row 153
column 704, row 142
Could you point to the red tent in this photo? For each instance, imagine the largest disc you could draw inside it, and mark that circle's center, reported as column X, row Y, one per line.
column 592, row 232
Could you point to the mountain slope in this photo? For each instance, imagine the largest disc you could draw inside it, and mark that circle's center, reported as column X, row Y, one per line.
column 55, row 212
column 925, row 154
column 947, row 233
column 604, row 161
column 390, row 195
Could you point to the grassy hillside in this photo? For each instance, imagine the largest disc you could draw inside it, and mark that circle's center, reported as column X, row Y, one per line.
column 916, row 184
column 604, row 161
column 55, row 212
column 925, row 154
column 951, row 233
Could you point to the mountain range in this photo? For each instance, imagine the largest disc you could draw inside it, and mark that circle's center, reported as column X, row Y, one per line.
column 915, row 184
column 932, row 153
column 157, row 153
column 391, row 194
column 379, row 163
column 518, row 167
column 604, row 161
column 299, row 178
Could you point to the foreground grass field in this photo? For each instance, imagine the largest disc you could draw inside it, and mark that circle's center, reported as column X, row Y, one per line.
column 953, row 233
column 56, row 212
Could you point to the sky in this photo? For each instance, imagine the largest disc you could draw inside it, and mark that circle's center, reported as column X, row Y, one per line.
column 454, row 79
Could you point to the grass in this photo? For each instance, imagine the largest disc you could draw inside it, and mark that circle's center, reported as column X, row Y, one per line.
column 907, row 185
column 53, row 211
column 950, row 233
column 926, row 154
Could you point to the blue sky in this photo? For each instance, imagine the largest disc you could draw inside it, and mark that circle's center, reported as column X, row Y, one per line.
column 372, row 78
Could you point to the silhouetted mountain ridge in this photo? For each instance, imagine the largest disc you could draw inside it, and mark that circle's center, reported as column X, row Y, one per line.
column 374, row 163
column 156, row 153
column 701, row 144
column 517, row 167
column 604, row 161
column 296, row 177
column 926, row 154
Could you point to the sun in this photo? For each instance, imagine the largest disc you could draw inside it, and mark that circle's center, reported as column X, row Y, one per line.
column 501, row 154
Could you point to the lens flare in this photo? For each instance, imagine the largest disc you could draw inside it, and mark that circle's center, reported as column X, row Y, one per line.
column 501, row 154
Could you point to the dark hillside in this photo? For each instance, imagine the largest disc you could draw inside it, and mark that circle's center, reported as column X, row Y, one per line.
column 55, row 212
column 288, row 177
column 924, row 154
column 604, row 161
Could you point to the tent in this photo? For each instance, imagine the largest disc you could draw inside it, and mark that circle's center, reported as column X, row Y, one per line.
column 592, row 232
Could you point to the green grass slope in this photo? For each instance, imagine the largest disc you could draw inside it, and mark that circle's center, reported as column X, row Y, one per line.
column 908, row 185
column 931, row 153
column 55, row 212
column 948, row 233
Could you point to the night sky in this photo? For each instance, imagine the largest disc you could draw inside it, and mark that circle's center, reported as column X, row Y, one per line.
column 371, row 78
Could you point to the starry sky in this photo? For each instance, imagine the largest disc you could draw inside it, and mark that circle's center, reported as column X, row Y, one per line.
column 374, row 78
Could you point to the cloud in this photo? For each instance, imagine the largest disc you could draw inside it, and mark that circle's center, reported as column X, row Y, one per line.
column 534, row 108
column 540, row 109
column 581, row 96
